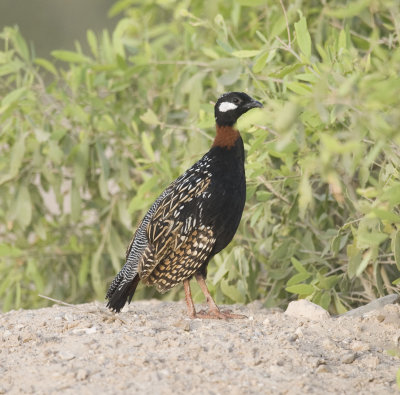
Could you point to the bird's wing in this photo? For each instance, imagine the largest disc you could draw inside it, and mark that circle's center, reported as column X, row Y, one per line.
column 183, row 262
column 177, row 215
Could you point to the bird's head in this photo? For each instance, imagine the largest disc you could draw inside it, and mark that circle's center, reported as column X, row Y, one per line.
column 230, row 106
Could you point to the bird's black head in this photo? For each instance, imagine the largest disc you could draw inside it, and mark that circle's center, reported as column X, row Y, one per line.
column 230, row 106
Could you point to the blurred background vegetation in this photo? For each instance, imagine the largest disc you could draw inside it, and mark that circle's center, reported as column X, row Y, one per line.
column 90, row 136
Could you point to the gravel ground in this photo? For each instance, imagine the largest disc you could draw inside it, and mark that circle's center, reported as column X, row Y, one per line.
column 152, row 348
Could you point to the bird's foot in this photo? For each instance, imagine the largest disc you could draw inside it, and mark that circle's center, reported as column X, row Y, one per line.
column 218, row 315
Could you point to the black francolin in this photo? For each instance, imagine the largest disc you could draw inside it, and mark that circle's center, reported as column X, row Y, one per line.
column 192, row 220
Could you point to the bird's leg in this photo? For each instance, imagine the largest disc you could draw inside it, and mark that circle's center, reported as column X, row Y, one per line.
column 189, row 300
column 214, row 311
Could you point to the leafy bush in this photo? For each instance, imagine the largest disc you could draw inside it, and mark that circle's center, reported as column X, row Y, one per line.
column 88, row 141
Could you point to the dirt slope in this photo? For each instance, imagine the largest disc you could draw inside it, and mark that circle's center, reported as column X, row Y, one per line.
column 152, row 348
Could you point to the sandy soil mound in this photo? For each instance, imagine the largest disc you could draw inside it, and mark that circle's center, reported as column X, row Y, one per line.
column 152, row 348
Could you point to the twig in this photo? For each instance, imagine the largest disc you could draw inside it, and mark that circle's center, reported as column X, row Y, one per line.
column 56, row 301
column 287, row 23
column 272, row 189
column 107, row 314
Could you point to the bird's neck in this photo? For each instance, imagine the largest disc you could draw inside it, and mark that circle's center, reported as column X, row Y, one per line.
column 226, row 137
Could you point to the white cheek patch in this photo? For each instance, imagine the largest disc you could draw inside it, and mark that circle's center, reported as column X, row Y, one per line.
column 227, row 106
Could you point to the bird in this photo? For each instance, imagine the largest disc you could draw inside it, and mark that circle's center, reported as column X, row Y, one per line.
column 192, row 220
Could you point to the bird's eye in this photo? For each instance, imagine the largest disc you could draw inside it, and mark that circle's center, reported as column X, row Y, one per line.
column 236, row 100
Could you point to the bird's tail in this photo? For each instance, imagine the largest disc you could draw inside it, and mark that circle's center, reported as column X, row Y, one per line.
column 121, row 290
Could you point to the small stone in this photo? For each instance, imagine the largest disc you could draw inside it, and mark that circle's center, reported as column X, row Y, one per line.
column 299, row 332
column 66, row 355
column 392, row 319
column 322, row 369
column 91, row 330
column 305, row 308
column 267, row 322
column 380, row 317
column 348, row 358
column 328, row 344
column 293, row 338
column 357, row 345
column 81, row 374
column 68, row 317
column 371, row 362
column 182, row 324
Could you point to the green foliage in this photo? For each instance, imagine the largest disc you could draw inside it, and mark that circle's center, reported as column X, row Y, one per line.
column 88, row 141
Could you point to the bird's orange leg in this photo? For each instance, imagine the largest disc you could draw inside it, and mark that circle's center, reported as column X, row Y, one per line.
column 189, row 300
column 214, row 311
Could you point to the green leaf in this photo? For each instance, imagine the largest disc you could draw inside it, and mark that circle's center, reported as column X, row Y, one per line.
column 149, row 117
column 340, row 309
column 325, row 300
column 7, row 250
column 355, row 257
column 263, row 196
column 305, row 195
column 385, row 215
column 298, row 87
column 232, row 292
column 392, row 195
column 75, row 203
column 17, row 155
column 83, row 271
column 298, row 266
column 92, row 41
column 47, row 65
column 13, row 96
column 146, row 143
column 250, row 3
column 20, row 44
column 351, row 9
column 301, row 289
column 370, row 238
column 70, row 56
column 303, row 37
column 298, row 278
column 261, row 62
column 10, row 67
column 246, row 53
column 364, row 262
column 24, row 207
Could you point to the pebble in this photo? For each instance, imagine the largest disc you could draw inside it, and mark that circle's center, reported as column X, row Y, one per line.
column 323, row 369
column 69, row 317
column 267, row 322
column 357, row 345
column 293, row 338
column 81, row 374
column 328, row 344
column 348, row 358
column 299, row 332
column 66, row 355
column 371, row 362
column 306, row 309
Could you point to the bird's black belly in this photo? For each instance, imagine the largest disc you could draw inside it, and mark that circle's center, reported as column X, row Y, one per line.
column 224, row 208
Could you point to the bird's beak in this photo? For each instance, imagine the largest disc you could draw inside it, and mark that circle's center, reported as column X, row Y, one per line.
column 253, row 104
